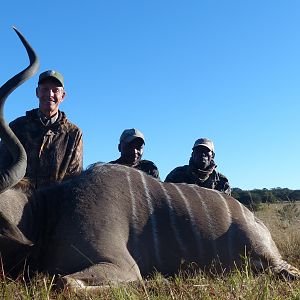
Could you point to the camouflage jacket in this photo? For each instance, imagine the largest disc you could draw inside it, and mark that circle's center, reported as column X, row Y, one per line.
column 144, row 165
column 188, row 174
column 53, row 152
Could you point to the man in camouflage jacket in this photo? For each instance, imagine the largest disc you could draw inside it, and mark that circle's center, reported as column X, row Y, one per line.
column 131, row 146
column 201, row 169
column 52, row 143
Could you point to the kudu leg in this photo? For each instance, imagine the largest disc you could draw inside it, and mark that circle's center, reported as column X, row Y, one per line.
column 99, row 276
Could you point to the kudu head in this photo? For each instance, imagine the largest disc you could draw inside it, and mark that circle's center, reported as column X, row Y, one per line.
column 16, row 171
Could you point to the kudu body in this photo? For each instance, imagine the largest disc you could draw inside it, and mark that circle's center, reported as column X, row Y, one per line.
column 116, row 224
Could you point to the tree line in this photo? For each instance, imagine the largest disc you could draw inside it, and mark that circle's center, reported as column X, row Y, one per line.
column 257, row 196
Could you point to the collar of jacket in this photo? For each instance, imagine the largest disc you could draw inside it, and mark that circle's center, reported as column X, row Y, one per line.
column 34, row 116
column 48, row 121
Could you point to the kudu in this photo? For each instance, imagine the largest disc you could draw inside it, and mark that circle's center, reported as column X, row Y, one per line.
column 116, row 224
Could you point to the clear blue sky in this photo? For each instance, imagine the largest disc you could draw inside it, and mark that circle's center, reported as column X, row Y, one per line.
column 176, row 70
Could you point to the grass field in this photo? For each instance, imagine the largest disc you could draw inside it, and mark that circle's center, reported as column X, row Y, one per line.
column 283, row 220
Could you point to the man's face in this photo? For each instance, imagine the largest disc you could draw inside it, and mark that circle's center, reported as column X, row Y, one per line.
column 50, row 94
column 202, row 157
column 132, row 152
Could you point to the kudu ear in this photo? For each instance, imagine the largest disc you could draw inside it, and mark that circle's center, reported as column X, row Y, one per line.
column 12, row 232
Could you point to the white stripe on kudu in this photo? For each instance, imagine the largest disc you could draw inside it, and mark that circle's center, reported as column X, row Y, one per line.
column 152, row 219
column 243, row 213
column 208, row 219
column 229, row 220
column 206, row 212
column 192, row 218
column 133, row 207
column 227, row 209
column 174, row 227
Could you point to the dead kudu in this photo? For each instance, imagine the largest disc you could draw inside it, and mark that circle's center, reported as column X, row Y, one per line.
column 116, row 224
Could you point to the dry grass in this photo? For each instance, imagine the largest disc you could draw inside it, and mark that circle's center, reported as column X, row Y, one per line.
column 240, row 284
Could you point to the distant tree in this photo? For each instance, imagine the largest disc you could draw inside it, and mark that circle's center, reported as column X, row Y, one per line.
column 268, row 196
column 295, row 195
column 282, row 194
column 252, row 198
column 235, row 193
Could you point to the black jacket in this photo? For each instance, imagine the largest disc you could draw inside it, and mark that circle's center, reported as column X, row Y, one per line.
column 144, row 165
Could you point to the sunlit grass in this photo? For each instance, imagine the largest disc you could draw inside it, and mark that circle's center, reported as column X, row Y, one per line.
column 235, row 285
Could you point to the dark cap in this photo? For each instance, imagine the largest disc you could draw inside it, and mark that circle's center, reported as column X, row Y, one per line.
column 205, row 143
column 129, row 135
column 51, row 73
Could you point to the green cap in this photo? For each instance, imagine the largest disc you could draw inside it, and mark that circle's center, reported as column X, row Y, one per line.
column 51, row 73
column 129, row 135
column 205, row 143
